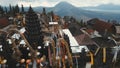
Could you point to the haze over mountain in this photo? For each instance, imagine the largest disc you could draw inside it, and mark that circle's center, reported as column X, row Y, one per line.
column 105, row 7
column 66, row 9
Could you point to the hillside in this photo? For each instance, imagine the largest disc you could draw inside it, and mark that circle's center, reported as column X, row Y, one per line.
column 105, row 7
column 66, row 9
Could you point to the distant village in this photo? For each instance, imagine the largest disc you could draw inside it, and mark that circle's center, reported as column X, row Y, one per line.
column 30, row 39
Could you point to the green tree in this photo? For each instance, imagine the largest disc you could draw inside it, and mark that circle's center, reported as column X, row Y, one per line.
column 44, row 11
column 82, row 23
column 1, row 10
column 52, row 15
column 16, row 9
column 22, row 9
column 13, row 10
column 10, row 8
column 108, row 21
column 6, row 11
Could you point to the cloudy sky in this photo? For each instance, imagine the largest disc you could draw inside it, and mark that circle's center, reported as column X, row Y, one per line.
column 49, row 3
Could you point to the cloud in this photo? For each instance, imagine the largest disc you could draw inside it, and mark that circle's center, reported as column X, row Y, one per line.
column 36, row 3
column 92, row 2
column 53, row 2
column 28, row 2
column 7, row 2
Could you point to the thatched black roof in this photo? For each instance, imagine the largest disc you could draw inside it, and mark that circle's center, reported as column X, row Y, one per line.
column 104, row 42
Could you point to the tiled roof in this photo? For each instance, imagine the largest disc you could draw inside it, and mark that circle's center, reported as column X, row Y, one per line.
column 56, row 18
column 89, row 31
column 3, row 22
column 84, row 39
column 117, row 29
column 104, row 42
column 100, row 25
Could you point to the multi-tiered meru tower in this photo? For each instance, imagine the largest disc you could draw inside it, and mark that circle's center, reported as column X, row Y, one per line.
column 33, row 29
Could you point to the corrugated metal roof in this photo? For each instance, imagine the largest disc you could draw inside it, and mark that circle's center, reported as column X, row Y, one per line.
column 53, row 23
column 73, row 41
column 22, row 30
column 78, row 49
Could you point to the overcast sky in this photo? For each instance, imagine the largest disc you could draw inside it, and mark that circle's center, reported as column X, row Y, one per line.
column 49, row 3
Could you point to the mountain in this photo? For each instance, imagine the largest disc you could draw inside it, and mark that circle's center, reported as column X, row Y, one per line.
column 109, row 7
column 66, row 9
column 64, row 5
column 105, row 7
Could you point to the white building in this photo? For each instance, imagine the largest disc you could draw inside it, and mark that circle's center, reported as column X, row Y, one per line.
column 73, row 43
